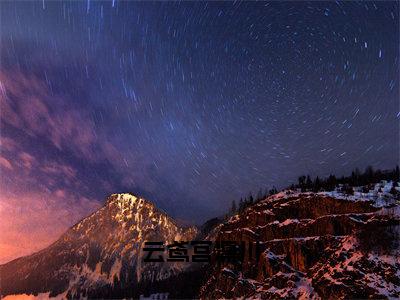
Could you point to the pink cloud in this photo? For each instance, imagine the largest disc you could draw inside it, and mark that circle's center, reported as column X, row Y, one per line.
column 5, row 163
column 31, row 222
column 26, row 103
column 59, row 169
column 26, row 159
column 38, row 201
column 60, row 193
column 7, row 143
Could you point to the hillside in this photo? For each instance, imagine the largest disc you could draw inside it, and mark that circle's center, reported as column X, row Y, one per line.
column 313, row 246
column 99, row 255
column 324, row 245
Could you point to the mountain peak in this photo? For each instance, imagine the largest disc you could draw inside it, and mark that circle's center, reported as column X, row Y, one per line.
column 129, row 200
column 101, row 250
column 123, row 198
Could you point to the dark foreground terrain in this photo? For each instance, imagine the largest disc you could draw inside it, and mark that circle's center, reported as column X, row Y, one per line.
column 311, row 246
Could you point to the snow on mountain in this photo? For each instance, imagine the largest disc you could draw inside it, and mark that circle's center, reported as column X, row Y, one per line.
column 323, row 245
column 312, row 246
column 100, row 253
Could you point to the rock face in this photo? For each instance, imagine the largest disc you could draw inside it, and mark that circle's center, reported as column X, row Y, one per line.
column 100, row 256
column 312, row 246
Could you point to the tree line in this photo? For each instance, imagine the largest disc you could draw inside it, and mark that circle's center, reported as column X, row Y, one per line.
column 305, row 183
column 357, row 178
column 250, row 200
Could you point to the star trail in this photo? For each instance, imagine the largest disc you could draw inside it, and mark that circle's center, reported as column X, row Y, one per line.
column 190, row 104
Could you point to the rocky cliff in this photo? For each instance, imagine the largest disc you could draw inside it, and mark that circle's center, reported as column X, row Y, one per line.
column 312, row 246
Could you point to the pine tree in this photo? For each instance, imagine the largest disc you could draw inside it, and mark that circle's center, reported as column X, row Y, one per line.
column 241, row 205
column 317, row 184
column 251, row 199
column 308, row 182
column 259, row 195
column 273, row 191
column 331, row 183
column 265, row 193
column 233, row 208
column 302, row 181
column 369, row 174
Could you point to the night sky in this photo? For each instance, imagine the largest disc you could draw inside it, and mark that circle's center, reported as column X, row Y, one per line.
column 191, row 105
